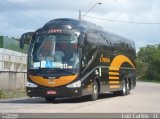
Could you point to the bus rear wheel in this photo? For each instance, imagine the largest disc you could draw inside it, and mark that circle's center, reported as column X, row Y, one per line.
column 95, row 91
column 50, row 99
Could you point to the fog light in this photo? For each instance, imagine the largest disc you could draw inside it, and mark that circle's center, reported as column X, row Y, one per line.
column 76, row 91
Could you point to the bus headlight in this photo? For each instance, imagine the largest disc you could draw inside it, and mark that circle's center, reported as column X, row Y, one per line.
column 76, row 84
column 31, row 85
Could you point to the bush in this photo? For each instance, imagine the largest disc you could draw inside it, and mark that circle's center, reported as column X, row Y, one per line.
column 1, row 94
column 148, row 63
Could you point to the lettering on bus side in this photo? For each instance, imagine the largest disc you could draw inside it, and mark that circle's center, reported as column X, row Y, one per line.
column 105, row 59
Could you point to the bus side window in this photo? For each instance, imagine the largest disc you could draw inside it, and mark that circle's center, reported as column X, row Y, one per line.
column 103, row 41
column 90, row 47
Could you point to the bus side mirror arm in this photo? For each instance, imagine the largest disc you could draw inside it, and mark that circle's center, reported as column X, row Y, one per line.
column 21, row 45
column 23, row 38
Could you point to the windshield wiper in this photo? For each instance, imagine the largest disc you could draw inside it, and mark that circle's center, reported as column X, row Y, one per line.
column 39, row 70
column 67, row 71
column 46, row 69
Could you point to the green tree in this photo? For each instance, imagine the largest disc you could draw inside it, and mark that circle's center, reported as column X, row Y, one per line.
column 148, row 63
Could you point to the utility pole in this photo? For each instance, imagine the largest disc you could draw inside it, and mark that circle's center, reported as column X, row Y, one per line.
column 80, row 14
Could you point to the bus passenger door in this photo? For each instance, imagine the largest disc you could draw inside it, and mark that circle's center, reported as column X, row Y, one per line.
column 105, row 53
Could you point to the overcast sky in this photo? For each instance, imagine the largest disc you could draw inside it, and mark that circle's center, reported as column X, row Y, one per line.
column 19, row 16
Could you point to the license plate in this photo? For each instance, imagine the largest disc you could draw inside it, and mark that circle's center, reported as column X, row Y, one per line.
column 51, row 92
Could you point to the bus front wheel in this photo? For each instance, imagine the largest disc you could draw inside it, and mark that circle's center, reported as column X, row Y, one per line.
column 95, row 91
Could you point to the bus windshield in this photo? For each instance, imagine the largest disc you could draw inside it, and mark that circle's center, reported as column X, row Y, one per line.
column 54, row 51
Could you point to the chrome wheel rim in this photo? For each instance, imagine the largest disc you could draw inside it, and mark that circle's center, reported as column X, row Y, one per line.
column 124, row 87
column 95, row 89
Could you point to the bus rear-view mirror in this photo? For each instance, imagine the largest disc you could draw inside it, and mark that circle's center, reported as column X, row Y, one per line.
column 25, row 39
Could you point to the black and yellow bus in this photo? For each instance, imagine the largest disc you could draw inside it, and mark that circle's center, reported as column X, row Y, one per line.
column 74, row 58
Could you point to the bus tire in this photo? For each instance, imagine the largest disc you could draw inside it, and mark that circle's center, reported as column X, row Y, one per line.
column 95, row 91
column 123, row 92
column 50, row 99
column 128, row 87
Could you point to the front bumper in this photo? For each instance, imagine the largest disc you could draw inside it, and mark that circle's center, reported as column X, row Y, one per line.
column 62, row 91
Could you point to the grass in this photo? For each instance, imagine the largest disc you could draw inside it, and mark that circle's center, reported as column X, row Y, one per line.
column 12, row 44
column 12, row 93
column 1, row 94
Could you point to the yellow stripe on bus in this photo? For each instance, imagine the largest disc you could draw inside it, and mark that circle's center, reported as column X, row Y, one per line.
column 113, row 73
column 113, row 77
column 113, row 82
column 113, row 68
column 114, row 86
column 118, row 61
column 60, row 81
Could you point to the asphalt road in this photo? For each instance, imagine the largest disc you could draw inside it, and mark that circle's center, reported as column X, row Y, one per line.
column 144, row 98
